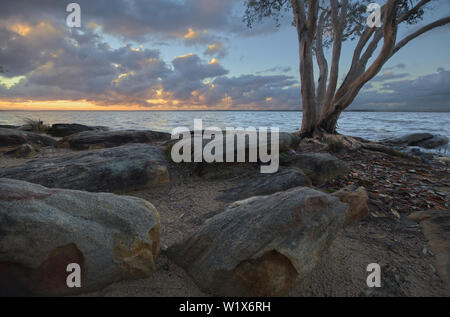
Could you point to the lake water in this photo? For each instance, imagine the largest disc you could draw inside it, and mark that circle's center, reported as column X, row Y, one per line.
column 369, row 125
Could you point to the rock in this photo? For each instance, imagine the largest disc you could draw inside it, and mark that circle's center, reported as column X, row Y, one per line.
column 64, row 129
column 11, row 137
column 262, row 246
column 286, row 142
column 445, row 160
column 319, row 167
column 409, row 140
column 436, row 227
column 425, row 140
column 89, row 140
column 7, row 126
column 43, row 230
column 120, row 169
column 436, row 141
column 266, row 184
column 356, row 199
column 23, row 151
column 417, row 152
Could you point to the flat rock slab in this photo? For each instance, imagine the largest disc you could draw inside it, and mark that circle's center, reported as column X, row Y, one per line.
column 262, row 246
column 12, row 137
column 267, row 184
column 43, row 230
column 65, row 129
column 436, row 227
column 119, row 169
column 107, row 139
column 319, row 167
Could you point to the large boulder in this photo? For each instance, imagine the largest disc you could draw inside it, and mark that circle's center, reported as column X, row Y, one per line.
column 262, row 246
column 66, row 129
column 107, row 139
column 436, row 228
column 12, row 137
column 44, row 230
column 267, row 184
column 319, row 167
column 119, row 169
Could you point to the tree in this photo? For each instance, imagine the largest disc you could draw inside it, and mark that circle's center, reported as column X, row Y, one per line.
column 323, row 23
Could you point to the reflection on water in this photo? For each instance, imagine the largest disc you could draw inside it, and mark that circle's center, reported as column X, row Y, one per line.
column 370, row 125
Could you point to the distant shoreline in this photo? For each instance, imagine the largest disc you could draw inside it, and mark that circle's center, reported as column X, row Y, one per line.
column 379, row 111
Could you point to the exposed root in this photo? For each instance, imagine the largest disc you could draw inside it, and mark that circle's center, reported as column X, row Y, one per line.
column 339, row 142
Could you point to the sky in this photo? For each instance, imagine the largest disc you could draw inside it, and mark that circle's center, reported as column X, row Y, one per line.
column 190, row 55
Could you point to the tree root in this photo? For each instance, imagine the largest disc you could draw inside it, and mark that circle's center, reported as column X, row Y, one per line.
column 338, row 142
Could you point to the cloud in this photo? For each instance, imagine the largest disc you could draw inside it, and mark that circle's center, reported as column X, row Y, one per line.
column 389, row 76
column 399, row 66
column 276, row 69
column 216, row 49
column 69, row 64
column 426, row 93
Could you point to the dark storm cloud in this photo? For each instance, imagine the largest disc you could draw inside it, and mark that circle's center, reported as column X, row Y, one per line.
column 70, row 64
column 131, row 18
column 426, row 93
column 263, row 92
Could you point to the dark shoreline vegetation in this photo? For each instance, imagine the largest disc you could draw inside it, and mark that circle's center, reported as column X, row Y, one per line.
column 141, row 225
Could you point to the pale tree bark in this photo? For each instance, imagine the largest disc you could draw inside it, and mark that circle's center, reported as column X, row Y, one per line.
column 306, row 29
column 321, row 109
column 322, row 63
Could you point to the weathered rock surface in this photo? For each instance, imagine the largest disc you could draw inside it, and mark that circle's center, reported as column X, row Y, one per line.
column 436, row 227
column 23, row 151
column 65, row 129
column 7, row 126
column 267, row 184
column 12, row 137
column 107, row 139
column 119, row 169
column 262, row 246
column 319, row 167
column 231, row 146
column 43, row 230
column 357, row 199
column 425, row 140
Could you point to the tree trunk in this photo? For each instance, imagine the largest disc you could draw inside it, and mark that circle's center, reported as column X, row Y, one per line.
column 330, row 125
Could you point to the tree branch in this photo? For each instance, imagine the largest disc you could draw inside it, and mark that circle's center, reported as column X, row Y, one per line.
column 321, row 62
column 338, row 22
column 389, row 35
column 419, row 32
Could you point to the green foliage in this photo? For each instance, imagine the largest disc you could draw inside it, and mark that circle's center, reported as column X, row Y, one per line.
column 258, row 10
